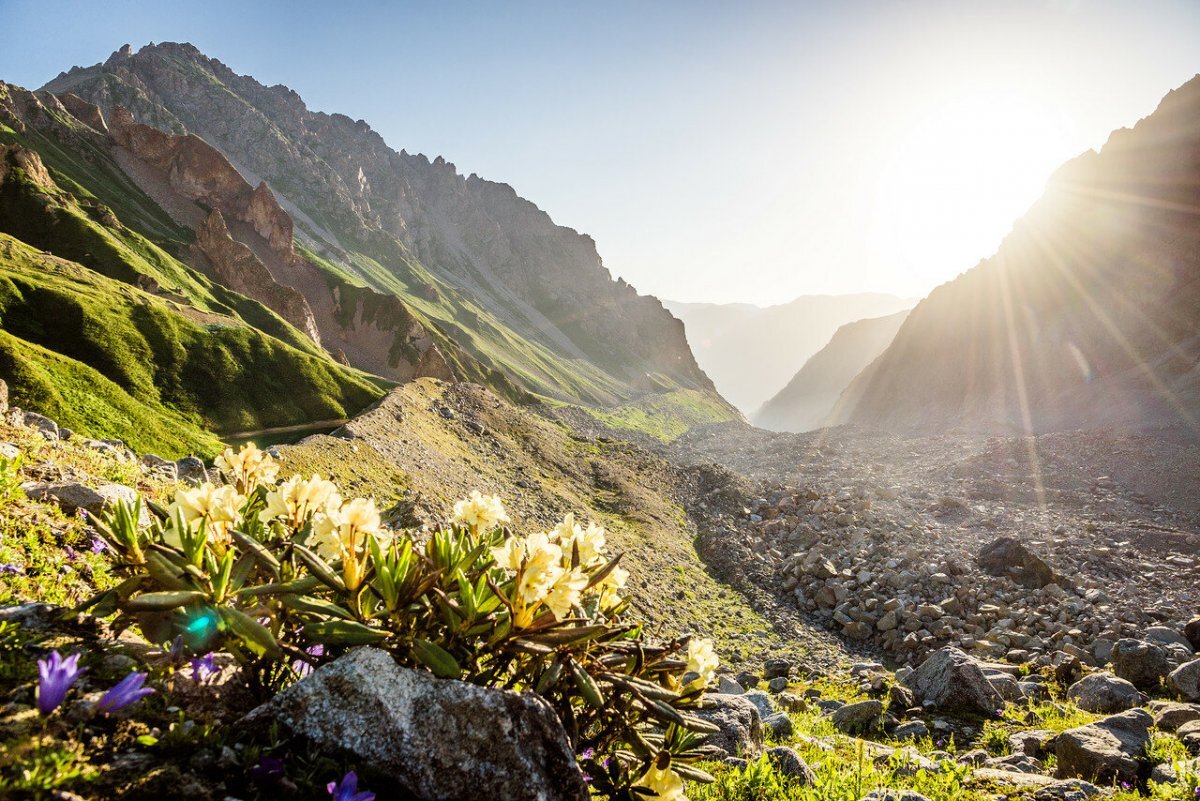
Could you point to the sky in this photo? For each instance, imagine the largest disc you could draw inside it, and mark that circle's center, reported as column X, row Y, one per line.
column 720, row 152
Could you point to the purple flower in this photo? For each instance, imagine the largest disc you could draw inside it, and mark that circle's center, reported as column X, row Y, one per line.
column 9, row 569
column 99, row 545
column 348, row 789
column 127, row 691
column 588, row 753
column 55, row 677
column 1126, row 786
column 269, row 770
column 203, row 667
column 303, row 668
column 71, row 553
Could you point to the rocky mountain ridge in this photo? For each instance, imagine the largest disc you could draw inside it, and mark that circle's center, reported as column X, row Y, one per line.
column 1084, row 318
column 373, row 212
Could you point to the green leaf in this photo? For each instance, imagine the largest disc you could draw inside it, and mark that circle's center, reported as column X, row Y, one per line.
column 294, row 587
column 316, row 606
column 587, row 686
column 320, row 568
column 259, row 551
column 342, row 632
column 148, row 740
column 163, row 601
column 690, row 772
column 437, row 659
column 258, row 638
column 566, row 636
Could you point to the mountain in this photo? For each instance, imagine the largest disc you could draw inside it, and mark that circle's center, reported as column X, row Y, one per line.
column 509, row 298
column 751, row 352
column 810, row 396
column 1087, row 316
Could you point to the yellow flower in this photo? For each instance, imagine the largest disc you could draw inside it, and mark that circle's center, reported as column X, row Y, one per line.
column 480, row 512
column 589, row 541
column 510, row 555
column 248, row 468
column 701, row 661
column 541, row 567
column 222, row 506
column 610, row 587
column 342, row 534
column 565, row 592
column 297, row 499
column 666, row 784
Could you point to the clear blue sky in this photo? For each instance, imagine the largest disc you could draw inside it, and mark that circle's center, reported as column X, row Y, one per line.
column 716, row 151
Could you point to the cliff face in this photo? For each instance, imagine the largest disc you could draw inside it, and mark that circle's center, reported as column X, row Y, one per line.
column 1087, row 316
column 350, row 193
column 807, row 400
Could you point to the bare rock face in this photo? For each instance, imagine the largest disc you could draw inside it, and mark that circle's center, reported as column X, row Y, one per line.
column 15, row 157
column 1106, row 751
column 951, row 681
column 435, row 738
column 236, row 266
column 1006, row 556
column 1104, row 693
column 87, row 113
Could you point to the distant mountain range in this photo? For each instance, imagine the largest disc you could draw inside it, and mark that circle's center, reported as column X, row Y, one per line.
column 227, row 209
column 805, row 403
column 751, row 352
column 1088, row 316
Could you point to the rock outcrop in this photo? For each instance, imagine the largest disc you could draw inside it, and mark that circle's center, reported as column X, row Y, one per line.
column 1108, row 750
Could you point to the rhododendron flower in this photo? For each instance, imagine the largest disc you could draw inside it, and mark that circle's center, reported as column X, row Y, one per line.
column 480, row 512
column 297, row 499
column 55, row 677
column 609, row 587
column 342, row 534
column 589, row 541
column 701, row 661
column 541, row 567
column 127, row 691
column 248, row 468
column 666, row 784
column 565, row 592
column 221, row 507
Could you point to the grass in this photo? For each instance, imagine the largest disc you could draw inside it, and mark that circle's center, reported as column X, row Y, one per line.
column 104, row 358
column 666, row 416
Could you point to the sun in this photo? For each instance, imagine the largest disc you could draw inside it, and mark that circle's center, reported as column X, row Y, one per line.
column 961, row 172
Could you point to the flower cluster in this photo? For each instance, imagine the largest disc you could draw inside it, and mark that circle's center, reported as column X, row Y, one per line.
column 480, row 512
column 295, row 501
column 342, row 532
column 56, row 675
column 215, row 510
column 247, row 468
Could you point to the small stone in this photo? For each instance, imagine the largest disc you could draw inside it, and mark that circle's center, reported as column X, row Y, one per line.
column 789, row 763
column 779, row 725
column 912, row 730
column 777, row 684
column 858, row 718
column 728, row 686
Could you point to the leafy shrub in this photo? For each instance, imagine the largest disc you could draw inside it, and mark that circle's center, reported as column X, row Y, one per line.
column 288, row 574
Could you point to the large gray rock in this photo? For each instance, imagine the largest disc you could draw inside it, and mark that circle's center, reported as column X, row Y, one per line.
column 435, row 738
column 1170, row 715
column 741, row 731
column 1185, row 680
column 951, row 681
column 1008, row 557
column 1189, row 735
column 1166, row 636
column 191, row 470
column 71, row 496
column 786, row 761
column 1107, row 750
column 858, row 718
column 1104, row 693
column 1192, row 632
column 1145, row 664
column 45, row 425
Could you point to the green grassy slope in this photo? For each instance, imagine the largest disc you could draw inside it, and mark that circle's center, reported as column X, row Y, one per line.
column 187, row 369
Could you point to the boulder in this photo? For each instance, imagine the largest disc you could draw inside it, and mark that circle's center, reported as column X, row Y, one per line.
column 1008, row 557
column 1189, row 735
column 777, row 668
column 434, row 738
column 762, row 702
column 1104, row 694
column 71, row 496
column 1185, row 680
column 1006, row 685
column 741, row 731
column 1170, row 715
column 789, row 763
column 777, row 684
column 1067, row 790
column 1032, row 742
column 1107, row 750
column 191, row 470
column 1142, row 663
column 1166, row 773
column 1192, row 632
column 1165, row 636
column 727, row 686
column 950, row 680
column 778, row 725
column 45, row 425
column 912, row 730
column 858, row 718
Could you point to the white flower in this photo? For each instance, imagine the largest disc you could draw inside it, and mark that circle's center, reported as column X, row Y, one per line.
column 541, row 568
column 589, row 541
column 480, row 512
column 296, row 499
column 342, row 534
column 248, row 468
column 564, row 594
column 221, row 506
column 701, row 661
column 666, row 784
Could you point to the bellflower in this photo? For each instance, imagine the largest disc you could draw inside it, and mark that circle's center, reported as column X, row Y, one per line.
column 55, row 677
column 127, row 691
column 203, row 667
column 347, row 789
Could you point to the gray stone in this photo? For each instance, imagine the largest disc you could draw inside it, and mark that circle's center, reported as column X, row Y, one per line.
column 893, row 795
column 1004, row 684
column 1189, row 735
column 1142, row 663
column 762, row 702
column 9, row 451
column 1166, row 773
column 191, row 470
column 1104, row 694
column 1165, row 636
column 71, row 496
column 1185, row 680
column 779, row 725
column 1019, row 763
column 950, row 680
column 1032, row 742
column 777, row 668
column 1008, row 557
column 1170, row 715
column 1067, row 790
column 858, row 718
column 912, row 730
column 45, row 425
column 1105, row 751
column 728, row 686
column 777, row 684
column 747, row 679
column 789, row 763
column 435, row 738
column 1192, row 632
column 741, row 731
